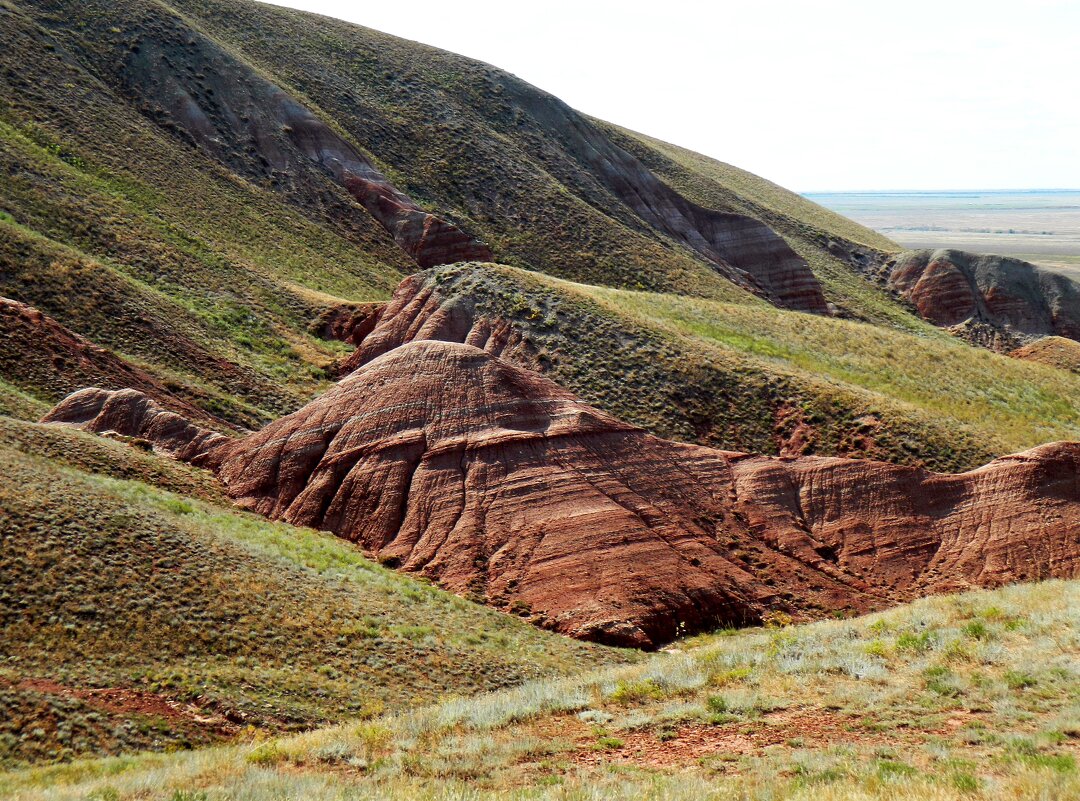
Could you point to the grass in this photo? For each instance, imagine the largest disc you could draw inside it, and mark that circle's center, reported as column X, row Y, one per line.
column 937, row 375
column 789, row 713
column 240, row 624
column 750, row 377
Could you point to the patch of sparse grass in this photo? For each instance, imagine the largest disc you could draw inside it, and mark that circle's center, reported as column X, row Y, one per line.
column 785, row 738
column 110, row 582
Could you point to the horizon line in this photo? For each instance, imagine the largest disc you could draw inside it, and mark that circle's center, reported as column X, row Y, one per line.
column 934, row 191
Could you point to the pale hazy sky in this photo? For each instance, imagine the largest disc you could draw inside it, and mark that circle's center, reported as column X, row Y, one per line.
column 834, row 94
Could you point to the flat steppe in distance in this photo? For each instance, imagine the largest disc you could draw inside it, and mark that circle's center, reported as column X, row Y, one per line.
column 1041, row 226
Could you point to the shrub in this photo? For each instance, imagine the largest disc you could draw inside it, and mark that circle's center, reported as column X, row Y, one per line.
column 976, row 630
column 630, row 692
column 267, row 754
column 917, row 643
column 1018, row 680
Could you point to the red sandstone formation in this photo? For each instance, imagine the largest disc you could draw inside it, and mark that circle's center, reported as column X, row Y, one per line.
column 418, row 311
column 132, row 414
column 952, row 288
column 349, row 322
column 37, row 350
column 1054, row 351
column 447, row 461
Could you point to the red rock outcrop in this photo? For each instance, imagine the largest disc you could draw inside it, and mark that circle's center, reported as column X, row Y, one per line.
column 952, row 289
column 38, row 351
column 418, row 311
column 444, row 460
column 1054, row 351
column 130, row 413
column 349, row 322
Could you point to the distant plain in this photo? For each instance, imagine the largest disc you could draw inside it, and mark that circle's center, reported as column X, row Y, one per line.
column 1042, row 226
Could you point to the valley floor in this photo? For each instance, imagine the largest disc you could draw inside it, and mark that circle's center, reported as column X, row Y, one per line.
column 959, row 697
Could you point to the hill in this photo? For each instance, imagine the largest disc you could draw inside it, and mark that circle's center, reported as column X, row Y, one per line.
column 1054, row 351
column 141, row 612
column 993, row 300
column 446, row 461
column 740, row 376
column 962, row 697
column 148, row 179
column 226, row 206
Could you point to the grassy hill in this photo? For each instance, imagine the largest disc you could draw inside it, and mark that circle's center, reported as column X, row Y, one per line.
column 971, row 696
column 208, row 270
column 141, row 612
column 752, row 377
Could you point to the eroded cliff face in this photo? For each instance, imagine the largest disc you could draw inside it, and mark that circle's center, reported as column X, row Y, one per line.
column 445, row 460
column 990, row 298
column 130, row 413
column 198, row 90
column 419, row 310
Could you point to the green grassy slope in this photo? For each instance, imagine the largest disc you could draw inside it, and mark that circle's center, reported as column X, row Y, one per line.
column 748, row 376
column 972, row 696
column 199, row 622
column 825, row 239
column 143, row 245
column 208, row 275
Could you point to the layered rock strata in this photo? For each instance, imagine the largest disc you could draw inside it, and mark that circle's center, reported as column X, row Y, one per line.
column 444, row 460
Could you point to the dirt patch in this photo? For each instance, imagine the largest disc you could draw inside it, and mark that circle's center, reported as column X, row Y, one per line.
column 125, row 702
column 686, row 745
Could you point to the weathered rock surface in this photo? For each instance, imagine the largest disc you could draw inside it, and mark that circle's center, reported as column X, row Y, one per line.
column 1054, row 351
column 952, row 289
column 38, row 351
column 444, row 460
column 349, row 322
column 742, row 248
column 419, row 311
column 130, row 413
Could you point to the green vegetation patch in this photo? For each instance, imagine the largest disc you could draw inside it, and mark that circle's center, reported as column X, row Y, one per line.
column 244, row 624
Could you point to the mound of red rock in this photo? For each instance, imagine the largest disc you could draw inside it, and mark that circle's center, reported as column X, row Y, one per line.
column 1054, row 351
column 130, row 413
column 419, row 310
column 951, row 288
column 444, row 460
column 38, row 351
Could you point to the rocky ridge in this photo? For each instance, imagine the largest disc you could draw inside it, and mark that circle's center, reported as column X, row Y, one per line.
column 442, row 459
column 997, row 301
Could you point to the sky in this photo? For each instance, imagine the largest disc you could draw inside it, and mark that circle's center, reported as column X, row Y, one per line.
column 816, row 95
